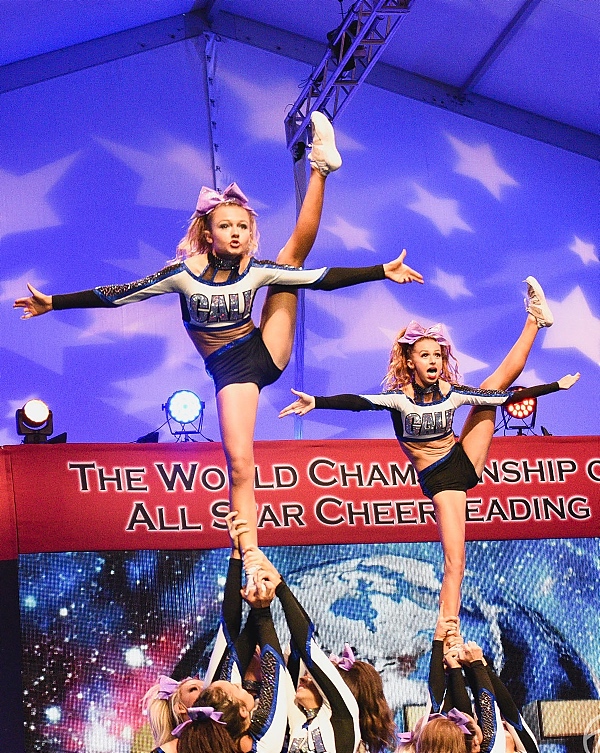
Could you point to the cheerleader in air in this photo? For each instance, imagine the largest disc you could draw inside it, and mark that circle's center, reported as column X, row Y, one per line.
column 422, row 393
column 217, row 277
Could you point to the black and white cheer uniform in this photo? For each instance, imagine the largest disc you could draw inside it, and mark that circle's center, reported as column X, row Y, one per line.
column 417, row 423
column 217, row 315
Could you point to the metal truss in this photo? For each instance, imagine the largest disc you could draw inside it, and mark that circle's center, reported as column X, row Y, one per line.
column 354, row 49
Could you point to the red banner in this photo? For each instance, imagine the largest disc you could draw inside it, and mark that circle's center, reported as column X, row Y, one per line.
column 85, row 497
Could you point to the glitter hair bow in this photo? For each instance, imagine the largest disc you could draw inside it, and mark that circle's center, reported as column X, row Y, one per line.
column 209, row 199
column 415, row 332
column 205, row 713
column 346, row 660
column 461, row 720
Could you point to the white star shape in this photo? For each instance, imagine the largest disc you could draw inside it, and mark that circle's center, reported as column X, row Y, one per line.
column 585, row 251
column 41, row 340
column 267, row 104
column 479, row 163
column 151, row 318
column 363, row 333
column 351, row 236
column 170, row 179
column 468, row 364
column 24, row 203
column 325, row 348
column 145, row 395
column 575, row 326
column 442, row 212
column 453, row 285
column 148, row 259
column 15, row 288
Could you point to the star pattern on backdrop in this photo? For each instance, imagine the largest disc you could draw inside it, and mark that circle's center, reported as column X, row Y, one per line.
column 444, row 213
column 452, row 285
column 25, row 203
column 352, row 237
column 575, row 326
column 585, row 251
column 364, row 333
column 267, row 105
column 16, row 287
column 171, row 178
column 479, row 163
column 326, row 348
column 149, row 260
column 152, row 318
column 41, row 340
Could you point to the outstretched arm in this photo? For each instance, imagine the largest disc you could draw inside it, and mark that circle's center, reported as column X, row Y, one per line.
column 543, row 389
column 305, row 403
column 398, row 271
column 35, row 305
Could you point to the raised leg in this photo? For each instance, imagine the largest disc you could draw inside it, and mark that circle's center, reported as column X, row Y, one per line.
column 478, row 430
column 278, row 317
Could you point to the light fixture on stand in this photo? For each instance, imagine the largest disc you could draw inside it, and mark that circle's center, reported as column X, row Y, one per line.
column 521, row 414
column 34, row 422
column 186, row 409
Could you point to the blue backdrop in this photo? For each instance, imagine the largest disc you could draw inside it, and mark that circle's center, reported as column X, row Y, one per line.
column 99, row 173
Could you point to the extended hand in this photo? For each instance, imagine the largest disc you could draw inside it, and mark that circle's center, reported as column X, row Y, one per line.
column 35, row 305
column 568, row 381
column 400, row 272
column 301, row 406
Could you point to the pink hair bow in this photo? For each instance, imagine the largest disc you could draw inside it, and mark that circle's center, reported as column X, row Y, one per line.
column 209, row 199
column 198, row 712
column 346, row 660
column 454, row 715
column 405, row 738
column 415, row 332
column 166, row 687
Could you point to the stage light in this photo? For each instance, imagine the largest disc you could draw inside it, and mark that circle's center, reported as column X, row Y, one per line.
column 186, row 409
column 523, row 412
column 34, row 422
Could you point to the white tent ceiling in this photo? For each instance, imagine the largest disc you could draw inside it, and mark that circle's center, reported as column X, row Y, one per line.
column 532, row 66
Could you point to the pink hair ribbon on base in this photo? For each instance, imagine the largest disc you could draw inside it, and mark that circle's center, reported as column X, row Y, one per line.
column 198, row 712
column 209, row 199
column 454, row 715
column 346, row 660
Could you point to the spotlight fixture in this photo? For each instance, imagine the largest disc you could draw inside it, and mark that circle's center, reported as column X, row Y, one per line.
column 34, row 422
column 523, row 412
column 186, row 409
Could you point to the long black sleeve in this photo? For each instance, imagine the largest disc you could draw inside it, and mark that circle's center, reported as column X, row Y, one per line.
column 510, row 712
column 457, row 696
column 437, row 676
column 232, row 598
column 301, row 629
column 345, row 402
column 342, row 277
column 85, row 299
column 536, row 391
column 485, row 701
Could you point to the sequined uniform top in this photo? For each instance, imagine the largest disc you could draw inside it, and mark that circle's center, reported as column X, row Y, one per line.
column 335, row 727
column 231, row 657
column 504, row 710
column 448, row 690
column 424, row 429
column 217, row 313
